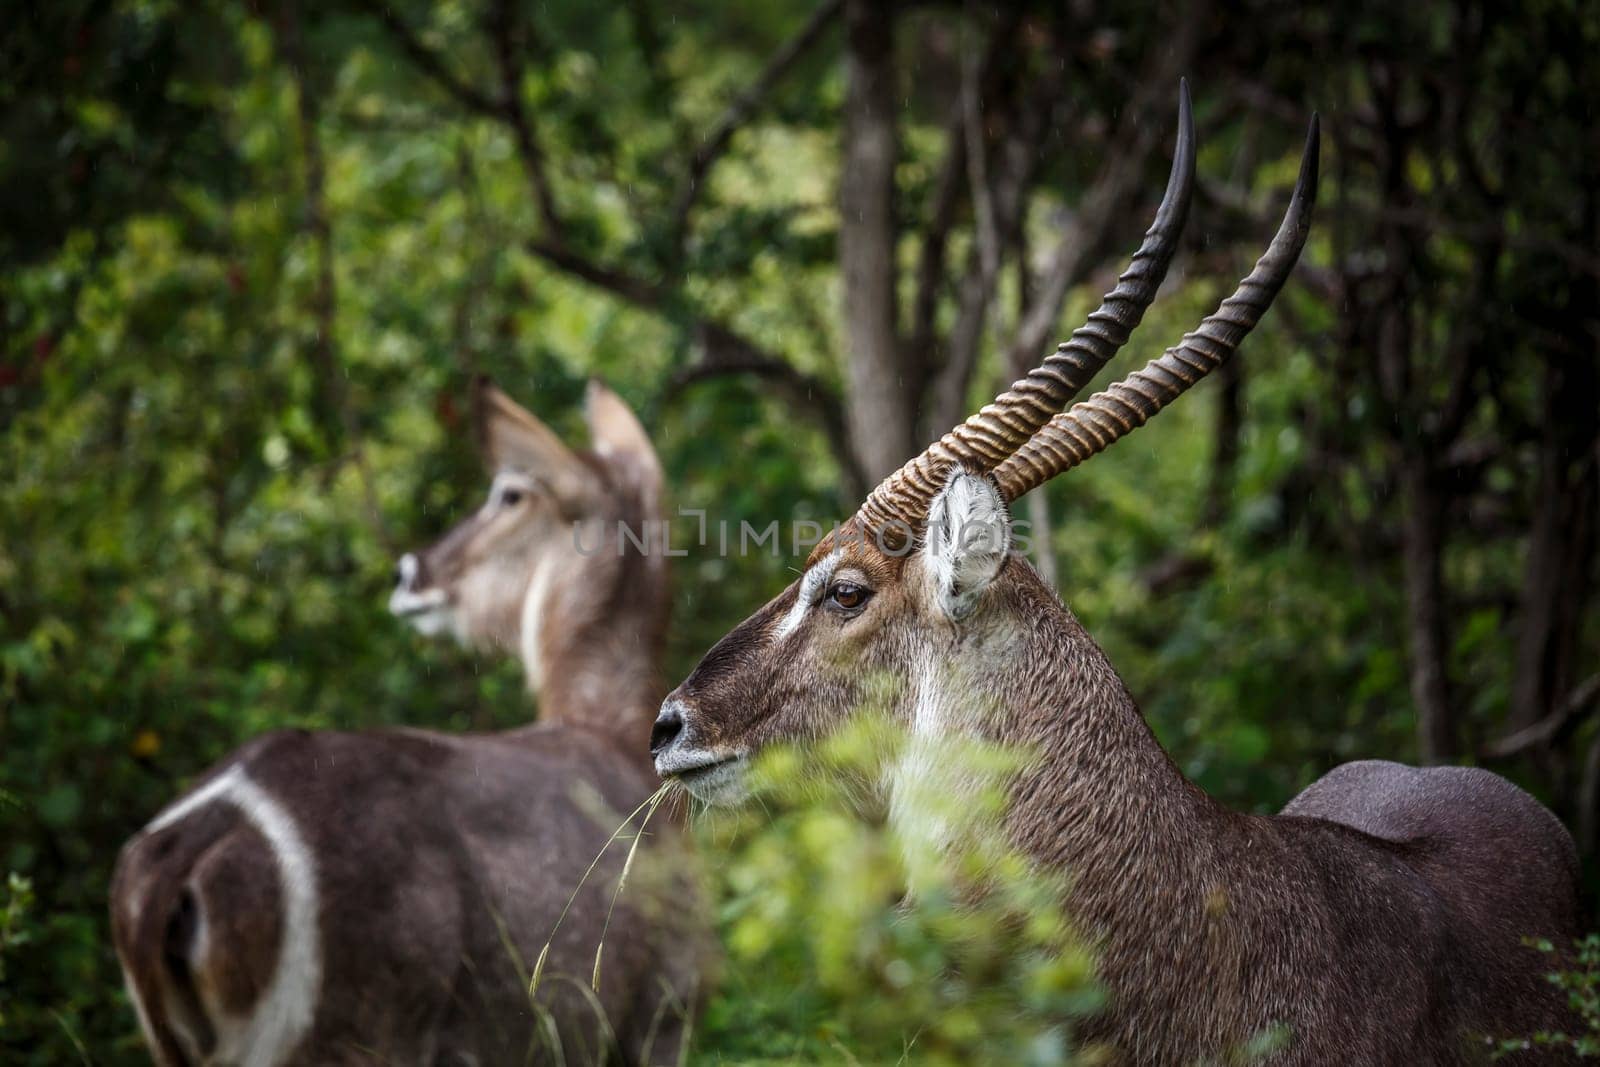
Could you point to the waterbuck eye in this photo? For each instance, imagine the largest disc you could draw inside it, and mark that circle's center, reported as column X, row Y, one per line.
column 510, row 498
column 847, row 596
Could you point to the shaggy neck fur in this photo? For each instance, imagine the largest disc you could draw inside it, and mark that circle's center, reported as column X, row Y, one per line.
column 1103, row 805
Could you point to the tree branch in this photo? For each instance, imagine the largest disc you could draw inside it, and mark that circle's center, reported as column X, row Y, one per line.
column 740, row 111
column 983, row 209
column 935, row 241
column 1583, row 701
column 726, row 351
column 430, row 62
column 926, row 357
column 479, row 274
column 506, row 36
column 997, row 196
column 638, row 291
column 1084, row 236
column 506, row 31
column 725, row 354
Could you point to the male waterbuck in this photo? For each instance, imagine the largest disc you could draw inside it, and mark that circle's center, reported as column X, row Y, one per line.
column 385, row 896
column 1378, row 920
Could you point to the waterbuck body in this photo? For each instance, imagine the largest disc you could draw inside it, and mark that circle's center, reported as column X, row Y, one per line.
column 1378, row 921
column 384, row 896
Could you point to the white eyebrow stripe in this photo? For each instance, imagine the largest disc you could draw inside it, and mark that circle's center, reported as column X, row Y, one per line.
column 810, row 588
column 508, row 480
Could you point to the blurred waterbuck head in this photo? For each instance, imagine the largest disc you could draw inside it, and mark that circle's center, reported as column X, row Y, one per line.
column 562, row 537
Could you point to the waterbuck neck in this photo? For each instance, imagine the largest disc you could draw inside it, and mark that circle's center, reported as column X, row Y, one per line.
column 592, row 649
column 1102, row 801
column 1098, row 801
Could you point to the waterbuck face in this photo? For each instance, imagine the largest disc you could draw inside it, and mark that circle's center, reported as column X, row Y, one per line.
column 863, row 624
column 493, row 577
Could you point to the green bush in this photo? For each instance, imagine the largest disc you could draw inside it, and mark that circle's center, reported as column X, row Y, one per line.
column 13, row 928
column 851, row 936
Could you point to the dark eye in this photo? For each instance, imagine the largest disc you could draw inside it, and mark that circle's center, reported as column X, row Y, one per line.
column 510, row 498
column 847, row 596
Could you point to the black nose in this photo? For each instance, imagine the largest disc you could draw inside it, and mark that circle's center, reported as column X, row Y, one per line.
column 669, row 724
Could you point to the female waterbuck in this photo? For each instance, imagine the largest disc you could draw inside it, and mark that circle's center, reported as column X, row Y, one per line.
column 384, row 896
column 1378, row 920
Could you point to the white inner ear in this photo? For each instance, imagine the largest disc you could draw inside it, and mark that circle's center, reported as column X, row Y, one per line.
column 969, row 536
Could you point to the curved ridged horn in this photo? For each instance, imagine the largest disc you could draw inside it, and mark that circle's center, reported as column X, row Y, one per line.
column 1002, row 427
column 1095, row 424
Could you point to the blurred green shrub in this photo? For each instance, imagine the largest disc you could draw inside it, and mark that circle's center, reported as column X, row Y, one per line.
column 856, row 937
column 194, row 548
column 13, row 928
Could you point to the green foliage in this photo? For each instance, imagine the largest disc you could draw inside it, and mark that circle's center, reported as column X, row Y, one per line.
column 198, row 519
column 856, row 937
column 1291, row 657
column 1580, row 979
column 13, row 931
column 194, row 547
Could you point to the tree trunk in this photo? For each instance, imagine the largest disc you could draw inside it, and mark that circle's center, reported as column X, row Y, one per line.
column 1555, row 585
column 1425, row 611
column 1561, row 544
column 1225, row 442
column 878, row 404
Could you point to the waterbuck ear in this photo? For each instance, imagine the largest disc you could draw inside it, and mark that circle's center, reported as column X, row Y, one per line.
column 617, row 434
column 969, row 536
column 513, row 439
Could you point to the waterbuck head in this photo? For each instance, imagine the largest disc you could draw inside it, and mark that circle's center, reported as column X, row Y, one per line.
column 922, row 584
column 551, row 555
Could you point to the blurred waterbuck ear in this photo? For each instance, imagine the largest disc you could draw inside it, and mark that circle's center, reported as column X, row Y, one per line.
column 969, row 536
column 617, row 435
column 513, row 439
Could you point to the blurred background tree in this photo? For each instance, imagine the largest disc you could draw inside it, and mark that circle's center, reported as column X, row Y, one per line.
column 253, row 254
